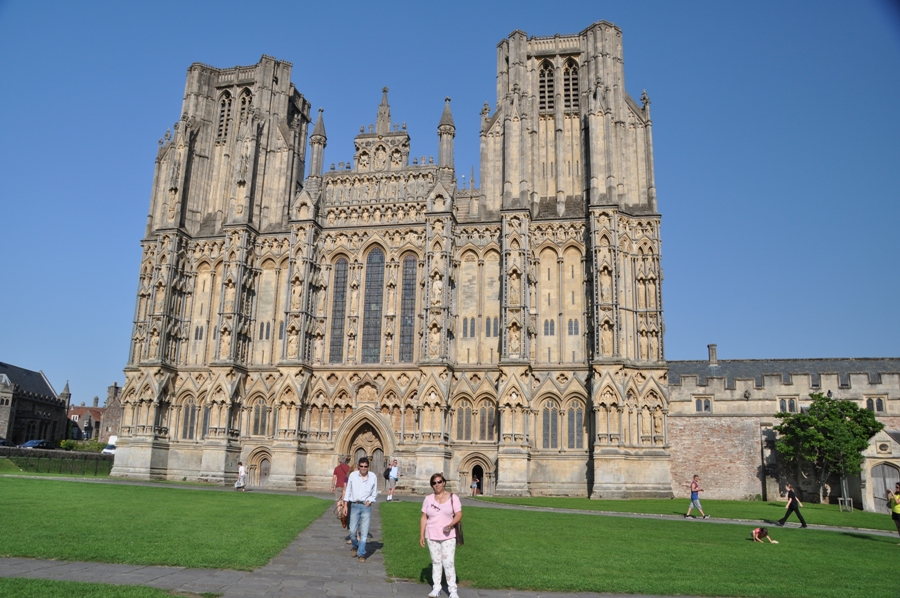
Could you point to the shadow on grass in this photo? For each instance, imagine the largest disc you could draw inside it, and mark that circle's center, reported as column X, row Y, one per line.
column 862, row 536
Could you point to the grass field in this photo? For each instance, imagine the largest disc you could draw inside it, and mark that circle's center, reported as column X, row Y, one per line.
column 140, row 525
column 44, row 588
column 570, row 553
column 46, row 466
column 726, row 509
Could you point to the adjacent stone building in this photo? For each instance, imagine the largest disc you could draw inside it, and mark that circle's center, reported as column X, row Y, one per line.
column 95, row 422
column 512, row 332
column 29, row 407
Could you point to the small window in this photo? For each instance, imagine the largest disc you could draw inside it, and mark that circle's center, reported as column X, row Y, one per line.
column 496, row 327
column 281, row 331
column 546, row 327
column 703, row 405
column 576, row 327
column 465, row 327
column 879, row 405
column 552, row 327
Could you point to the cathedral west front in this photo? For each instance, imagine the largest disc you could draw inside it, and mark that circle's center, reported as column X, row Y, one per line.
column 291, row 311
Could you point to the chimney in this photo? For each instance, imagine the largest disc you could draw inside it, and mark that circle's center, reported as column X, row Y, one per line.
column 96, row 401
column 713, row 359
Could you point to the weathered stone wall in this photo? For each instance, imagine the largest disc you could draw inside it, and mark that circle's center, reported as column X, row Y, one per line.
column 724, row 451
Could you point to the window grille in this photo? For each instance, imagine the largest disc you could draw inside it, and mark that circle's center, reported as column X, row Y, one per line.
column 408, row 309
column 374, row 297
column 338, row 312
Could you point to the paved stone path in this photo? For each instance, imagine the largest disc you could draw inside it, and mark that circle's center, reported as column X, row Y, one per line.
column 317, row 563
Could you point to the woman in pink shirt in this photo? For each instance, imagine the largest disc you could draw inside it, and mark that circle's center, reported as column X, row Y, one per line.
column 440, row 512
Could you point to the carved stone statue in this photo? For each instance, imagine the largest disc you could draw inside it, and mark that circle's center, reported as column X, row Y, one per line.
column 229, row 296
column 605, row 286
column 514, row 339
column 351, row 348
column 225, row 344
column 437, row 289
column 388, row 347
column 154, row 344
column 293, row 344
column 320, row 307
column 354, row 298
column 606, row 339
column 296, row 291
column 434, row 342
column 514, row 288
column 160, row 299
column 319, row 345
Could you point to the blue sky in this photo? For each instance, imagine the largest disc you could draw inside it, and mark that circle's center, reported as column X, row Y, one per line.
column 775, row 124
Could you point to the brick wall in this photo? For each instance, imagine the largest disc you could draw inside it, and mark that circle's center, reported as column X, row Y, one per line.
column 723, row 451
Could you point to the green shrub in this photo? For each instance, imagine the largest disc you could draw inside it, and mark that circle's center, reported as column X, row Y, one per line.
column 88, row 446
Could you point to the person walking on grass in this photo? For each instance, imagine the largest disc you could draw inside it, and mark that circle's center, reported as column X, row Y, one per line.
column 762, row 532
column 360, row 493
column 393, row 476
column 793, row 506
column 441, row 511
column 695, row 498
column 241, row 483
column 894, row 506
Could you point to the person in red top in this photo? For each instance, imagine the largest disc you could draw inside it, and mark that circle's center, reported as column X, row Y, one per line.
column 762, row 532
column 339, row 479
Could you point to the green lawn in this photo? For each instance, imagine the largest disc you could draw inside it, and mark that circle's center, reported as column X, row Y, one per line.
column 726, row 509
column 45, row 588
column 572, row 553
column 140, row 525
column 46, row 466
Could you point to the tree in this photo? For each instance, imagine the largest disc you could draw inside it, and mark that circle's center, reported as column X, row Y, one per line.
column 828, row 437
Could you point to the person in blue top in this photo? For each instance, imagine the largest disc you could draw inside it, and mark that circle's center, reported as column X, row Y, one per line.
column 695, row 498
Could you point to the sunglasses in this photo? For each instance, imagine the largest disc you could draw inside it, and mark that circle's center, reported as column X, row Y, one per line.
column 436, row 482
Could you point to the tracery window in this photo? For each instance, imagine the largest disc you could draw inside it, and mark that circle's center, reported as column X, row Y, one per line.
column 703, row 405
column 486, row 416
column 570, row 85
column 374, row 297
column 224, row 116
column 465, row 327
column 551, row 425
column 464, row 421
column 549, row 327
column 496, row 327
column 408, row 309
column 338, row 311
column 260, row 418
column 575, row 424
column 245, row 104
column 188, row 420
column 545, row 86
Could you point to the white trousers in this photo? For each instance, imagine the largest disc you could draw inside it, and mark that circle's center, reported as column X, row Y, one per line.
column 443, row 555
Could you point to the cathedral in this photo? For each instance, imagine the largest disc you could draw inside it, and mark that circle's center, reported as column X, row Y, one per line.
column 290, row 311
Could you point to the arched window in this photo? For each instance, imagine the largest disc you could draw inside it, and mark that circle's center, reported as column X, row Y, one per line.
column 792, row 406
column 465, row 327
column 570, row 327
column 245, row 104
column 782, row 405
column 464, row 421
column 188, row 420
column 879, row 405
column 260, row 418
column 280, row 330
column 374, row 297
column 703, row 406
column 486, row 415
column 552, row 327
column 546, row 327
column 408, row 309
column 570, row 85
column 487, row 327
column 574, row 428
column 224, row 116
column 551, row 425
column 262, row 329
column 545, row 86
column 496, row 327
column 576, row 327
column 870, row 404
column 338, row 311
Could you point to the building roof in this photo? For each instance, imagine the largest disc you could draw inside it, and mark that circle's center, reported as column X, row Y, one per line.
column 755, row 369
column 96, row 413
column 28, row 381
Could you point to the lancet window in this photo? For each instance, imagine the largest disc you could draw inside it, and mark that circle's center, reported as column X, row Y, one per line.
column 570, row 85
column 575, row 423
column 260, row 418
column 486, row 417
column 374, row 297
column 464, row 421
column 224, row 116
column 338, row 311
column 188, row 420
column 550, row 425
column 245, row 103
column 408, row 309
column 545, row 86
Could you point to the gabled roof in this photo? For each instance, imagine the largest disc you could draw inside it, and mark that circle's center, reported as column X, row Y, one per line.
column 755, row 369
column 28, row 381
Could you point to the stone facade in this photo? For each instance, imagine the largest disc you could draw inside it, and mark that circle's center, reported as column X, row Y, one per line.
column 95, row 422
column 511, row 331
column 722, row 415
column 29, row 407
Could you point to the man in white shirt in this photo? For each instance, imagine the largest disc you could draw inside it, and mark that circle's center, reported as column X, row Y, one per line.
column 360, row 493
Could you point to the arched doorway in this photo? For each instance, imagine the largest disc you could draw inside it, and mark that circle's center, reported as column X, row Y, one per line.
column 478, row 474
column 260, row 463
column 884, row 477
column 365, row 442
column 478, row 466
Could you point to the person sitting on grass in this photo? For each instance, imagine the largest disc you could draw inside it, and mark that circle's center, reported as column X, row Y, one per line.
column 762, row 532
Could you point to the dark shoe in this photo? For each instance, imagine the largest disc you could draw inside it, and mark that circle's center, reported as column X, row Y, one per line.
column 686, row 516
column 802, row 527
column 779, row 524
column 706, row 516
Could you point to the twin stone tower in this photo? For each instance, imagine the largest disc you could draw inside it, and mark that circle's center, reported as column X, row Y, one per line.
column 511, row 332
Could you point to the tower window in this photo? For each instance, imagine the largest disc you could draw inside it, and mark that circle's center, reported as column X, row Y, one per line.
column 546, row 86
column 338, row 310
column 408, row 310
column 224, row 116
column 570, row 85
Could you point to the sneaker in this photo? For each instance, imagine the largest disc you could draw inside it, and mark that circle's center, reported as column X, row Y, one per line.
column 706, row 516
column 389, row 499
column 802, row 527
column 434, row 594
column 361, row 559
column 454, row 595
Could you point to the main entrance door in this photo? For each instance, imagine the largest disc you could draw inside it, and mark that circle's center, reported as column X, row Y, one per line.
column 365, row 442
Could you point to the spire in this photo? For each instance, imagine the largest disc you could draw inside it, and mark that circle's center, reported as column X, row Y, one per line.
column 446, row 117
column 317, row 142
column 383, row 122
column 319, row 129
